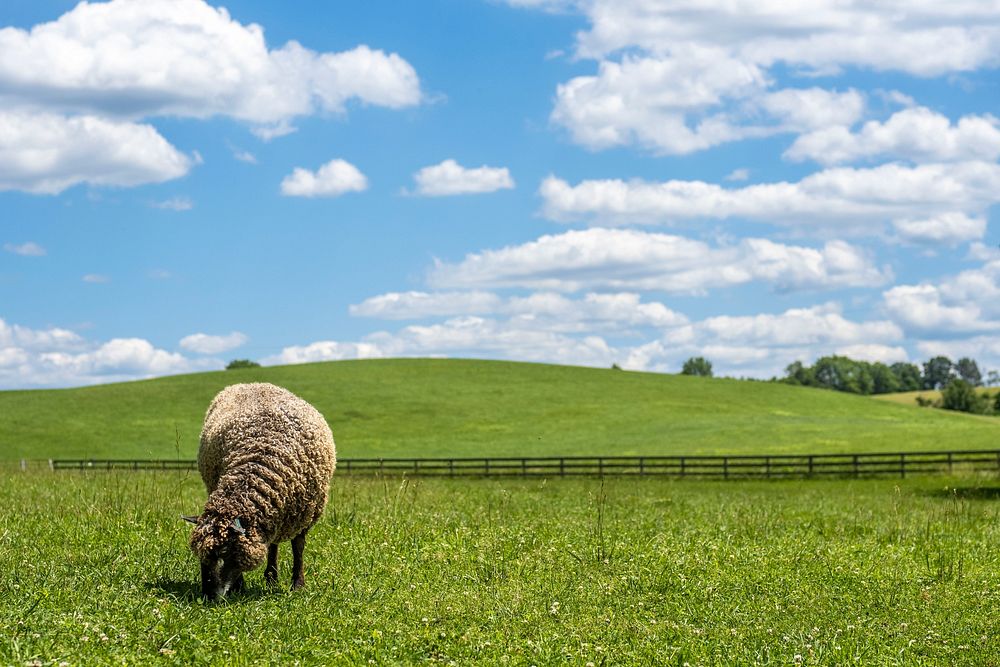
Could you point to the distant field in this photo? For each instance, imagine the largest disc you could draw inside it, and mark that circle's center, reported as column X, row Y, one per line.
column 910, row 397
column 422, row 407
column 95, row 569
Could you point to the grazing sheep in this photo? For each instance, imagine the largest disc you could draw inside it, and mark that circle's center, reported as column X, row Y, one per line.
column 266, row 458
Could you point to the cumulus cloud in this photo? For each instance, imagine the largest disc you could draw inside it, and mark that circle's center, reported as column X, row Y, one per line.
column 916, row 134
column 56, row 357
column 552, row 311
column 140, row 58
column 27, row 249
column 324, row 350
column 966, row 302
column 927, row 39
column 451, row 178
column 948, row 229
column 844, row 198
column 677, row 77
column 333, row 179
column 46, row 153
column 762, row 345
column 209, row 344
column 618, row 259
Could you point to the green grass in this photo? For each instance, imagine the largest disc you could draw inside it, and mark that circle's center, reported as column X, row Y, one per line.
column 94, row 569
column 422, row 407
column 910, row 397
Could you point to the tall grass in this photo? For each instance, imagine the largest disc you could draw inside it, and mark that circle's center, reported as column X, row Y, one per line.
column 94, row 569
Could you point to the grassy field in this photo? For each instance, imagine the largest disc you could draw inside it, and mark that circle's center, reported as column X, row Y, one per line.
column 422, row 407
column 94, row 569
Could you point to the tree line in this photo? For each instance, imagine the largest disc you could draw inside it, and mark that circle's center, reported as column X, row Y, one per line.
column 958, row 381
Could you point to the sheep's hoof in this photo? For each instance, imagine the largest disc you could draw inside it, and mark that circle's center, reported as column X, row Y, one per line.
column 298, row 583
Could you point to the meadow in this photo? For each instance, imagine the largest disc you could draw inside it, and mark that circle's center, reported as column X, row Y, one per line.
column 428, row 407
column 94, row 569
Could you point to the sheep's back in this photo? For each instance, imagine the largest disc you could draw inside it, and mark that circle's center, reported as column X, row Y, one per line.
column 264, row 442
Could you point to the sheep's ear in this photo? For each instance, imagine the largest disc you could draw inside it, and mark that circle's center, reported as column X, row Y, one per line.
column 190, row 519
column 238, row 527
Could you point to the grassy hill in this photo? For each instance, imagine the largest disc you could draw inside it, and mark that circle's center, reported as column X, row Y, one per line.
column 910, row 397
column 427, row 407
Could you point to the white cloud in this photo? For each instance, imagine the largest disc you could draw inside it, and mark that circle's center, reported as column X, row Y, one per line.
column 56, row 357
column 846, row 199
column 27, row 249
column 948, row 229
column 451, row 178
column 677, row 77
column 137, row 58
column 208, row 344
column 45, row 153
column 887, row 354
column 418, row 305
column 966, row 302
column 333, row 179
column 740, row 174
column 548, row 310
column 916, row 134
column 923, row 38
column 619, row 259
column 762, row 345
column 96, row 278
column 654, row 102
column 174, row 204
column 325, row 350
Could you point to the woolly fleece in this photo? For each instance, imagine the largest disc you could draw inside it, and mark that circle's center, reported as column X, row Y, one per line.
column 266, row 457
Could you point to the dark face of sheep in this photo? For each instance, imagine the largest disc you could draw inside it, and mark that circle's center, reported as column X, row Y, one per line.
column 226, row 549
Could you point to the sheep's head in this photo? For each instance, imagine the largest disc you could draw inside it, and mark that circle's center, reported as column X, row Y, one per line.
column 227, row 548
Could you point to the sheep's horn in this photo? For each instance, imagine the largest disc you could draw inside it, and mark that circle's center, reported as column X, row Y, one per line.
column 190, row 519
column 239, row 526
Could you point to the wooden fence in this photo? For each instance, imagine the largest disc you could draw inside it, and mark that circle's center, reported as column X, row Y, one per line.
column 898, row 464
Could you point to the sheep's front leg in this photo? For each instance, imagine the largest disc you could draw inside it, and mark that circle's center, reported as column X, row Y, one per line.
column 298, row 546
column 271, row 571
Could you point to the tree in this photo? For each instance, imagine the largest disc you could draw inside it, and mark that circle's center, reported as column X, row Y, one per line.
column 241, row 363
column 796, row 373
column 968, row 370
column 843, row 374
column 908, row 376
column 884, row 381
column 962, row 396
column 937, row 372
column 697, row 366
column 993, row 378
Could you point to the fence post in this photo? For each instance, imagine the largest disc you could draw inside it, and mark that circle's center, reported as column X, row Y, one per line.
column 600, row 466
column 856, row 472
column 683, row 472
column 810, row 465
column 524, row 467
column 725, row 467
column 451, row 467
column 950, row 461
column 562, row 467
column 902, row 466
column 24, row 465
column 642, row 466
column 487, row 462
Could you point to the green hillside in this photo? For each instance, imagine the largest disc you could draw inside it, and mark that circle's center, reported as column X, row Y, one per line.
column 428, row 407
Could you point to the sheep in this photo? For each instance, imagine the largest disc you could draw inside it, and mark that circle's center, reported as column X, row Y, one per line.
column 266, row 457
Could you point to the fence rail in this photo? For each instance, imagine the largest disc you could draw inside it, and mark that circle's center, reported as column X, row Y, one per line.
column 898, row 464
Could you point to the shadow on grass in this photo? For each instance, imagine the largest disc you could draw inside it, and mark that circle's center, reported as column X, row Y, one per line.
column 968, row 493
column 190, row 591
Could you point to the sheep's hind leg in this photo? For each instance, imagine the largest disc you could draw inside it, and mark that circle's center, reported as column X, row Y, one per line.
column 271, row 571
column 298, row 546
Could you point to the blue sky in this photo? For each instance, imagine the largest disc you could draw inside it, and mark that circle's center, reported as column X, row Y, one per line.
column 584, row 182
